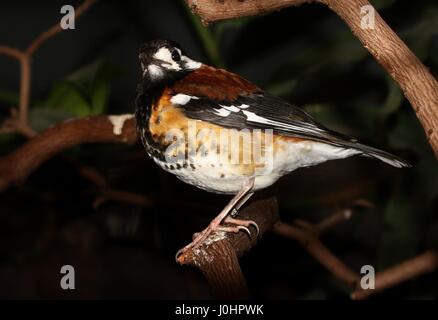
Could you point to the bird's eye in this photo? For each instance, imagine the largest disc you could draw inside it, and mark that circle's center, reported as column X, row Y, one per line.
column 176, row 56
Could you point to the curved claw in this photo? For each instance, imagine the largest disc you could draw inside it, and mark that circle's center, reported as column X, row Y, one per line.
column 235, row 229
column 178, row 253
column 254, row 224
column 244, row 229
column 245, row 223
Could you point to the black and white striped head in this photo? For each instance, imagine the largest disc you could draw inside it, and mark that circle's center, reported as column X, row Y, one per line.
column 164, row 59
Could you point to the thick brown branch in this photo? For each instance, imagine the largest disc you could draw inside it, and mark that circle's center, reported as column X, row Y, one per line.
column 417, row 83
column 213, row 10
column 221, row 269
column 17, row 165
column 424, row 263
column 217, row 257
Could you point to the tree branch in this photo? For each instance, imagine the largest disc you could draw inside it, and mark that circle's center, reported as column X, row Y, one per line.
column 217, row 257
column 417, row 83
column 213, row 10
column 17, row 165
column 319, row 251
column 25, row 78
column 11, row 52
column 56, row 28
column 25, row 59
column 409, row 269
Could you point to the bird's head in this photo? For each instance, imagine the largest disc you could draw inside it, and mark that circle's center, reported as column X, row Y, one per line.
column 163, row 60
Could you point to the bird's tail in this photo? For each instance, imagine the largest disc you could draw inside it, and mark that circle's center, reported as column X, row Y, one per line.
column 382, row 155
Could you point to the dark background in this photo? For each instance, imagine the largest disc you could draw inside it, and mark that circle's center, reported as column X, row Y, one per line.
column 306, row 55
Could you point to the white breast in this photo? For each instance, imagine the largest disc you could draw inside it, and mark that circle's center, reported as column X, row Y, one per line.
column 207, row 174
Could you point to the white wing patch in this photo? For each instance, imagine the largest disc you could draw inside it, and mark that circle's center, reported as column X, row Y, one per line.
column 225, row 111
column 231, row 108
column 182, row 99
column 222, row 112
column 252, row 117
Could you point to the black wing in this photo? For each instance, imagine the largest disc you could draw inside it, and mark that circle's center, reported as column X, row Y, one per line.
column 262, row 111
column 265, row 111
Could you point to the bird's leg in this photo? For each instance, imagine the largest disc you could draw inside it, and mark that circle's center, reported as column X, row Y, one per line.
column 215, row 225
column 241, row 202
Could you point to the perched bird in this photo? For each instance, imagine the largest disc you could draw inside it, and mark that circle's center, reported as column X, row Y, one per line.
column 183, row 108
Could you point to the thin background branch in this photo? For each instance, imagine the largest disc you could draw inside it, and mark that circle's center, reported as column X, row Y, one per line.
column 19, row 122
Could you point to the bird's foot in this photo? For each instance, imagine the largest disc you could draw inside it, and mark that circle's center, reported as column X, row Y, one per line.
column 240, row 224
column 236, row 226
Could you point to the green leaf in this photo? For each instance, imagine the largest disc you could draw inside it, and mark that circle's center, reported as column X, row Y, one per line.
column 282, row 88
column 394, row 99
column 382, row 4
column 402, row 234
column 225, row 25
column 419, row 35
column 65, row 96
column 408, row 134
column 330, row 116
column 209, row 41
column 9, row 97
column 84, row 92
column 42, row 118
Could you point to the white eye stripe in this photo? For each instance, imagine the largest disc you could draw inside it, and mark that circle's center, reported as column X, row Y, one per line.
column 164, row 55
